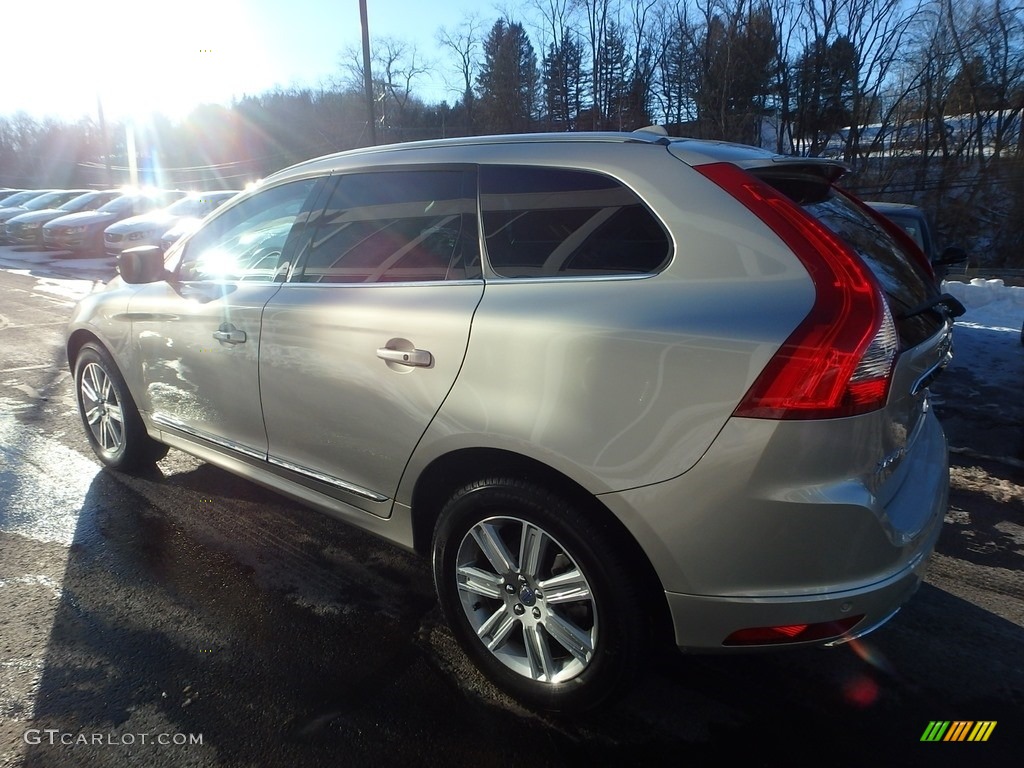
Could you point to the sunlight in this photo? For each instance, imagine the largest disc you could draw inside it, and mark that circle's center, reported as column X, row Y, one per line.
column 138, row 61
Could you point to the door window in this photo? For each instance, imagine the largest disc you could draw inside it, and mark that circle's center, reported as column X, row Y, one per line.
column 397, row 226
column 247, row 240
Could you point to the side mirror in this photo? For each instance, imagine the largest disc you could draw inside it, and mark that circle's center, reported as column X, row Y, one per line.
column 144, row 264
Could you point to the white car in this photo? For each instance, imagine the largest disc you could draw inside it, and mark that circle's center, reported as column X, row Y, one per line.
column 148, row 228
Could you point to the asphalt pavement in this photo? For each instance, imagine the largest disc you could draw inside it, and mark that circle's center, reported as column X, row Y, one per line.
column 190, row 618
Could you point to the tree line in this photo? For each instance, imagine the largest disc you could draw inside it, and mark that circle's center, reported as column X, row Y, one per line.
column 921, row 98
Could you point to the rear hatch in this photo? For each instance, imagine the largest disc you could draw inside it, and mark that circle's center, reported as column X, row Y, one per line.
column 880, row 331
column 924, row 319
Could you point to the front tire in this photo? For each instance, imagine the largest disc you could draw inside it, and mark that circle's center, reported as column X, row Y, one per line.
column 112, row 422
column 537, row 596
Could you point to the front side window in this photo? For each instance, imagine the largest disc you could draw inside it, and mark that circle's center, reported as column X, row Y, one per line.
column 397, row 226
column 245, row 243
column 554, row 222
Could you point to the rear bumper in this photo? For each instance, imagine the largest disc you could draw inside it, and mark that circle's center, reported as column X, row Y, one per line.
column 703, row 623
column 769, row 531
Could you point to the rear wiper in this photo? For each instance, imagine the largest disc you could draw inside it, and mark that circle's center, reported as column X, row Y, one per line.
column 951, row 303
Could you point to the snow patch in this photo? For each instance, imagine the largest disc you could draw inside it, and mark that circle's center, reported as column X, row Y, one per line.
column 990, row 303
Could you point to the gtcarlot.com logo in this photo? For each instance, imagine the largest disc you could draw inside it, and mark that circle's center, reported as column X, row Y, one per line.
column 52, row 736
column 958, row 730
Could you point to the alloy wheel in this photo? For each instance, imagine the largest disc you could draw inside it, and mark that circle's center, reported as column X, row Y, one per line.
column 102, row 408
column 527, row 599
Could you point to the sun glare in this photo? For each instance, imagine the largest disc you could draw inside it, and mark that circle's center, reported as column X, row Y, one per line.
column 136, row 60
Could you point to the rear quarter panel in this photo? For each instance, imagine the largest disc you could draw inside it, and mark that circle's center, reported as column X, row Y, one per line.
column 621, row 382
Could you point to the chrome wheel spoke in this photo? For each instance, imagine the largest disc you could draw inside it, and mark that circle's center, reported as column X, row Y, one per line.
column 114, row 414
column 105, row 388
column 480, row 582
column 542, row 666
column 494, row 631
column 114, row 433
column 531, row 547
column 569, row 636
column 494, row 549
column 109, row 436
column 567, row 587
column 93, row 415
column 89, row 392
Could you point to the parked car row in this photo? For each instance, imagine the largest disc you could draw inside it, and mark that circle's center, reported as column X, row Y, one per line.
column 151, row 228
column 96, row 222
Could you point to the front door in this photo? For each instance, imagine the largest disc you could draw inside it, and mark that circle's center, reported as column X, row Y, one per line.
column 199, row 333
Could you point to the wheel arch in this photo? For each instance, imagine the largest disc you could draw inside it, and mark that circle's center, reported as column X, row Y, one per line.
column 79, row 339
column 447, row 473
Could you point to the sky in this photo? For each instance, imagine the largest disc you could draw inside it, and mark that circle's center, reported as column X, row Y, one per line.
column 138, row 56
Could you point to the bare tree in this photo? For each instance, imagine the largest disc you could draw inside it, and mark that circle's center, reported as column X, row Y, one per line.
column 679, row 64
column 599, row 15
column 396, row 65
column 466, row 43
column 876, row 29
column 786, row 19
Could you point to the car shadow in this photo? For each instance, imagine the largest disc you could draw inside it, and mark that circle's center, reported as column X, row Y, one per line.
column 197, row 605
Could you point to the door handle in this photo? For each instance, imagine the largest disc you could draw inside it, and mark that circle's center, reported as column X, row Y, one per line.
column 229, row 334
column 419, row 358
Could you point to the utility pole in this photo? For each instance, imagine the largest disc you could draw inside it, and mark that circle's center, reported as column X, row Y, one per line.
column 371, row 120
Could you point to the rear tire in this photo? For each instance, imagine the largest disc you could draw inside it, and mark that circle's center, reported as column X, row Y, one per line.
column 112, row 422
column 537, row 595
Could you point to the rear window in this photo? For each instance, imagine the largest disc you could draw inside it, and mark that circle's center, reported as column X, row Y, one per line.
column 904, row 283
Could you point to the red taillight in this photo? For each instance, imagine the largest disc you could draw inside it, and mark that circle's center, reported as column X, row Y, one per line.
column 838, row 362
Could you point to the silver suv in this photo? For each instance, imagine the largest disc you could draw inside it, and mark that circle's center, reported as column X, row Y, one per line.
column 613, row 385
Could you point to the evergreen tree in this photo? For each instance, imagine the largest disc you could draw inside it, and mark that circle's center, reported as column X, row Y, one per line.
column 564, row 80
column 737, row 69
column 508, row 80
column 826, row 75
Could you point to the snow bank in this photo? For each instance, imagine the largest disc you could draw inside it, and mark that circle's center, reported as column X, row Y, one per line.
column 989, row 303
column 986, row 339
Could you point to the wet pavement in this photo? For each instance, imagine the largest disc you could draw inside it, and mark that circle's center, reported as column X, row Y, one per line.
column 190, row 618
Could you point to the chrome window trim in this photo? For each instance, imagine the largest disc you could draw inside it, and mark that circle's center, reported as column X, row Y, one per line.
column 479, row 281
column 387, row 284
column 574, row 278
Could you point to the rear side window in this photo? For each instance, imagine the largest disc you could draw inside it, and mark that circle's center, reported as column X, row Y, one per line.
column 552, row 222
column 397, row 226
column 904, row 284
